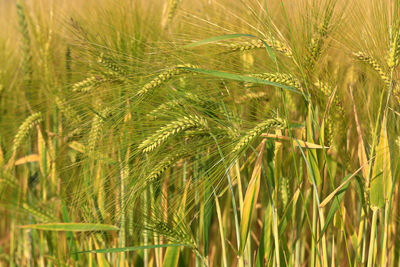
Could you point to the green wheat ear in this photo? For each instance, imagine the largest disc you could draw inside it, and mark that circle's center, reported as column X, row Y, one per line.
column 259, row 44
column 172, row 8
column 68, row 111
column 24, row 129
column 285, row 79
column 165, row 77
column 26, row 44
column 276, row 123
column 162, row 166
column 317, row 42
column 114, row 69
column 394, row 51
column 97, row 128
column 374, row 64
column 38, row 213
column 88, row 84
column 284, row 191
column 173, row 128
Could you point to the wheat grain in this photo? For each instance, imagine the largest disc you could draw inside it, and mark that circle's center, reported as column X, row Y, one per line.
column 329, row 131
column 173, row 128
column 163, row 107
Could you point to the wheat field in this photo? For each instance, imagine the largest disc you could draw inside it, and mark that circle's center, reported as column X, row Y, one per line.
column 199, row 133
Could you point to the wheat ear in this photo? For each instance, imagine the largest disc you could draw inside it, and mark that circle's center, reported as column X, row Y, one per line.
column 69, row 113
column 161, row 167
column 114, row 69
column 249, row 96
column 258, row 44
column 374, row 64
column 96, row 129
column 88, row 84
column 284, row 191
column 173, row 128
column 285, row 79
column 172, row 8
column 317, row 43
column 394, row 51
column 37, row 212
column 24, row 129
column 164, row 77
column 337, row 113
column 276, row 123
column 26, row 44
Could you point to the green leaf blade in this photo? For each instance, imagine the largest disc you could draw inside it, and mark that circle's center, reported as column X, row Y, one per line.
column 71, row 227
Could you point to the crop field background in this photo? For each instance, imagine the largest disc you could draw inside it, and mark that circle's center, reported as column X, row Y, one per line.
column 199, row 133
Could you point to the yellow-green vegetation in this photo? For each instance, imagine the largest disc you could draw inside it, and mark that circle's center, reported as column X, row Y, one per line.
column 200, row 133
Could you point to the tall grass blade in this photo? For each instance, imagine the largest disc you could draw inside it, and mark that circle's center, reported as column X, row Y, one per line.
column 250, row 199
